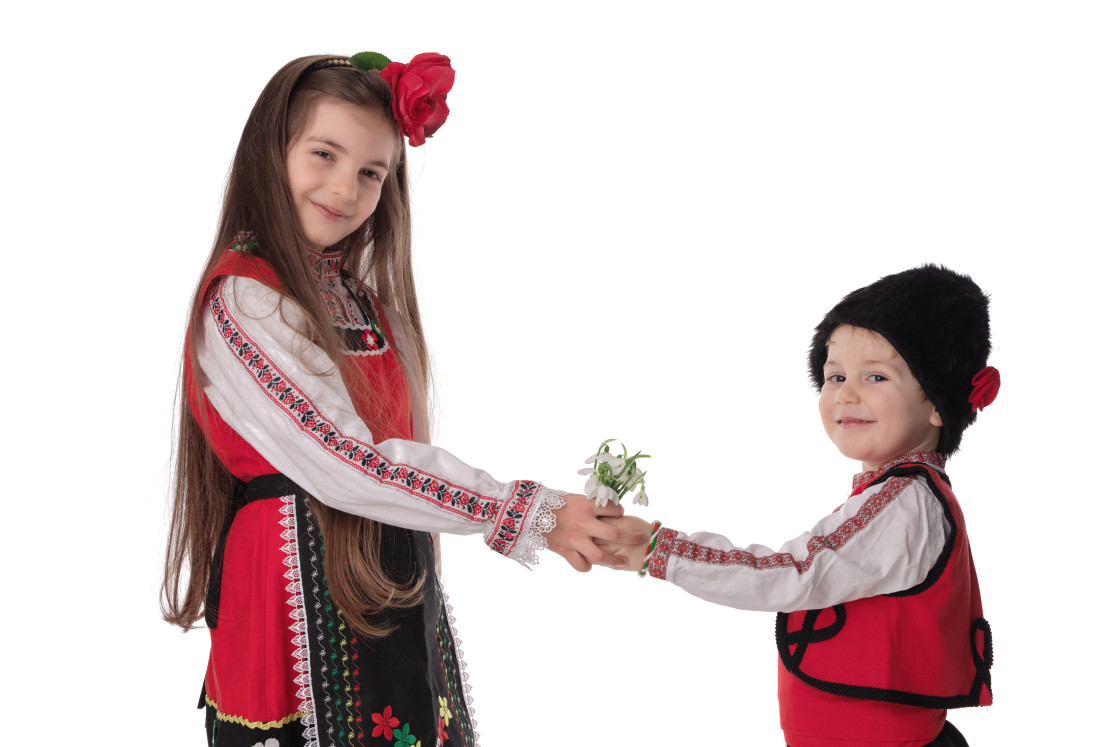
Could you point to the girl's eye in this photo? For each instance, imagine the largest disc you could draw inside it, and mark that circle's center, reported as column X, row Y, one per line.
column 876, row 377
column 370, row 173
column 321, row 153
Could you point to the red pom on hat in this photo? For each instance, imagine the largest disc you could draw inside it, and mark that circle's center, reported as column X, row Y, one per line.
column 985, row 387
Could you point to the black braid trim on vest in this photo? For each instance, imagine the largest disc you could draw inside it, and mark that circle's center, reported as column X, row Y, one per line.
column 950, row 541
column 984, row 658
column 810, row 634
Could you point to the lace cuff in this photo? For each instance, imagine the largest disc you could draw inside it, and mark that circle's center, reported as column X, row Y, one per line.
column 524, row 520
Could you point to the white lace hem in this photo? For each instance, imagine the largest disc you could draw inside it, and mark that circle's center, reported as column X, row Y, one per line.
column 301, row 650
column 539, row 524
column 463, row 677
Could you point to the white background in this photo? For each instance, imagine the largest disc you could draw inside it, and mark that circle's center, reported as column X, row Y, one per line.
column 632, row 221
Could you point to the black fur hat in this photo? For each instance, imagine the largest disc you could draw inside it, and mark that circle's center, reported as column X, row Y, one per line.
column 937, row 320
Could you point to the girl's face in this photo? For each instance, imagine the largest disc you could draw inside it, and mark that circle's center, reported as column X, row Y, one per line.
column 872, row 406
column 336, row 167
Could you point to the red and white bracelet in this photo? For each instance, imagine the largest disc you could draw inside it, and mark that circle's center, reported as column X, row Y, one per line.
column 649, row 548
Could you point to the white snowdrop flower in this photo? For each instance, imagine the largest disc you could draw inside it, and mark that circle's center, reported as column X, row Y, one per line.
column 641, row 498
column 605, row 495
column 592, row 484
column 615, row 463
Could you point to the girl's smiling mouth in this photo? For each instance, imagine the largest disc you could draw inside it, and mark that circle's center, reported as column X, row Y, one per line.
column 328, row 212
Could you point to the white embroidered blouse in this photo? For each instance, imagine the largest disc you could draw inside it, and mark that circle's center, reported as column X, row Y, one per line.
column 404, row 483
column 880, row 541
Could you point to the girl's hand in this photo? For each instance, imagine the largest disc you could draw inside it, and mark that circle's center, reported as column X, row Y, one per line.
column 580, row 528
column 638, row 531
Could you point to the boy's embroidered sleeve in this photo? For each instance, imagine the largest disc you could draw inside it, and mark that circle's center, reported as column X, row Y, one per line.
column 884, row 540
column 284, row 397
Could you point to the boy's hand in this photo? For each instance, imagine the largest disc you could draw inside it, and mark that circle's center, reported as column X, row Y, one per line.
column 633, row 548
column 582, row 533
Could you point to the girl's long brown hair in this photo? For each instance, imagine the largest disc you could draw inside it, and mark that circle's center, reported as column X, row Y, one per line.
column 379, row 254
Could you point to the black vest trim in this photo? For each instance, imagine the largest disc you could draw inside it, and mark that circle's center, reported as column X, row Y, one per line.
column 919, row 471
column 808, row 633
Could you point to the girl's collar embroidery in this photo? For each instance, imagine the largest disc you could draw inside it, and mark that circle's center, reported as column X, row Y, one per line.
column 931, row 458
column 327, row 265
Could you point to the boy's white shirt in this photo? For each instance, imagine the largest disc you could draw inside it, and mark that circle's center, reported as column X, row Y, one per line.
column 260, row 314
column 894, row 551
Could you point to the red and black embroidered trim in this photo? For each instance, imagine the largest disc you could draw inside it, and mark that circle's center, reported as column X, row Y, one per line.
column 668, row 544
column 511, row 521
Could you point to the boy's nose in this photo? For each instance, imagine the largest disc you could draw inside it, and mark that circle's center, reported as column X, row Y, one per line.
column 848, row 393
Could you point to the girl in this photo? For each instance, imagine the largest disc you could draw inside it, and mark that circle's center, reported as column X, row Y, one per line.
column 305, row 494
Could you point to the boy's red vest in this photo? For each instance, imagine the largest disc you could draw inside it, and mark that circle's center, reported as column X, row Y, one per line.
column 928, row 646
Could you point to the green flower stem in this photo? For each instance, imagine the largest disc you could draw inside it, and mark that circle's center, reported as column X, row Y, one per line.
column 630, row 485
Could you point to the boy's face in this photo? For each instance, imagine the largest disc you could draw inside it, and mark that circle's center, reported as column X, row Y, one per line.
column 872, row 407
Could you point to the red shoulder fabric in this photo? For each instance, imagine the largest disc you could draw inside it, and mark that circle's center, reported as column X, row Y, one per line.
column 241, row 459
column 377, row 383
column 379, row 387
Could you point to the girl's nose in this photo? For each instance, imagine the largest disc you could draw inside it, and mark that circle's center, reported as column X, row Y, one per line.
column 344, row 186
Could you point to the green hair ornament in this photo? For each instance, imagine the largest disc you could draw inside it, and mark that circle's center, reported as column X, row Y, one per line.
column 370, row 61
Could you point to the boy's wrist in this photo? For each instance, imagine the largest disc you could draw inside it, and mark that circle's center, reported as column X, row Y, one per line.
column 650, row 548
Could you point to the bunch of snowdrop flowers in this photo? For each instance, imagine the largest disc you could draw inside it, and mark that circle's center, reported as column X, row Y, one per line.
column 613, row 476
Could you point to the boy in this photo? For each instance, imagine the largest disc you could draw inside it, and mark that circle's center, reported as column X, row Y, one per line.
column 880, row 626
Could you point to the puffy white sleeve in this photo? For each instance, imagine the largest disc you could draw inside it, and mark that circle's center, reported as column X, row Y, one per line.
column 285, row 398
column 884, row 540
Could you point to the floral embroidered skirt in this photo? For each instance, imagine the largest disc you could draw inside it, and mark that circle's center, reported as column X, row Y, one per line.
column 285, row 669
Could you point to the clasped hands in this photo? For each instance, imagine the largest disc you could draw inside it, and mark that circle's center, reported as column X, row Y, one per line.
column 587, row 534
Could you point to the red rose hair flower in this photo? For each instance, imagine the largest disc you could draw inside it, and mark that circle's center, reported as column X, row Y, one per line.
column 420, row 94
column 419, row 90
column 985, row 387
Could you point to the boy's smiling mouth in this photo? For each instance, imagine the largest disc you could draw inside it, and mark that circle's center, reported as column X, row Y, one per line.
column 843, row 422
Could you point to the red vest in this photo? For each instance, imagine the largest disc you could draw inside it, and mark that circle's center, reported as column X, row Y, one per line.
column 928, row 646
column 251, row 560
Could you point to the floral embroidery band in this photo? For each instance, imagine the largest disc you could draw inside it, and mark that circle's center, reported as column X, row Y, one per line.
column 668, row 545
column 931, row 458
column 512, row 518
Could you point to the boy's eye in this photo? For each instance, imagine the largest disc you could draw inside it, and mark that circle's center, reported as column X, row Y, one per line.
column 835, row 378
column 876, row 377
